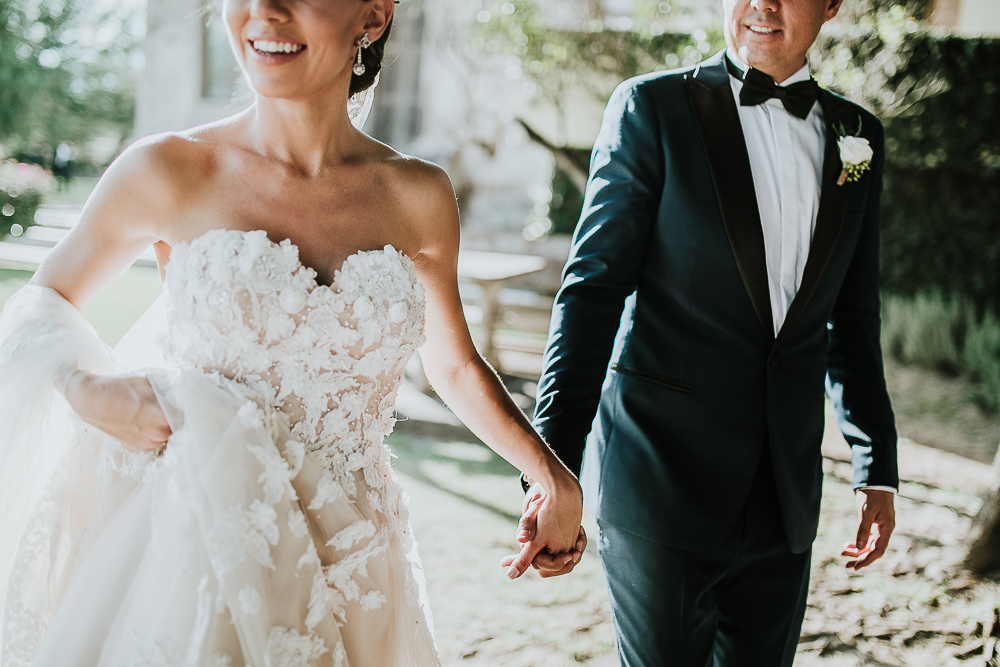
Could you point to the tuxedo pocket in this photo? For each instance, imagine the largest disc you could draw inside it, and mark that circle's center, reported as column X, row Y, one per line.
column 654, row 378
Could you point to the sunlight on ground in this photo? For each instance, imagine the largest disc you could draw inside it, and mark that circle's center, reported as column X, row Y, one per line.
column 464, row 506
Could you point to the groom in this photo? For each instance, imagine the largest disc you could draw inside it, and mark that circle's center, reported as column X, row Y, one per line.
column 723, row 268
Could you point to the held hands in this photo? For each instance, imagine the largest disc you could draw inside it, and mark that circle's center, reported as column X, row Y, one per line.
column 124, row 407
column 540, row 517
column 876, row 521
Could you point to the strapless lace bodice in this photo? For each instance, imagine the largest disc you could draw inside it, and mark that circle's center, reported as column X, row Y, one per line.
column 331, row 358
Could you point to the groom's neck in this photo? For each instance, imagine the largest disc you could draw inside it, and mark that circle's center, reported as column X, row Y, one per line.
column 779, row 73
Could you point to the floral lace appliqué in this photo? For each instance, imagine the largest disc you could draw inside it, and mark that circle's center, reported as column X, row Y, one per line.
column 328, row 360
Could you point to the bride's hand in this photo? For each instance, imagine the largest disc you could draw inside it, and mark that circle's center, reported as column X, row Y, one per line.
column 124, row 407
column 552, row 539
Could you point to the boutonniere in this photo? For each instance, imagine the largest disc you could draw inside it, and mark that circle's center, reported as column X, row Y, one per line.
column 855, row 154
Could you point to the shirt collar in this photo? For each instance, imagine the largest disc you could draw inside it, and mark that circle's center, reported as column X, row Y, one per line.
column 801, row 75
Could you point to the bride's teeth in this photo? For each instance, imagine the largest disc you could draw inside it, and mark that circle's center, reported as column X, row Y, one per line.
column 265, row 46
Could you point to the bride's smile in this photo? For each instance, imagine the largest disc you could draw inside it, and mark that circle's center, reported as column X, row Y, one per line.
column 274, row 51
column 301, row 48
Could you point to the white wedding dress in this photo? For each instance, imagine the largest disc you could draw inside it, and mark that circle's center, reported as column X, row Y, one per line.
column 272, row 531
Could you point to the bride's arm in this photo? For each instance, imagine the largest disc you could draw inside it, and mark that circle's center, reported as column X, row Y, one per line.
column 118, row 222
column 470, row 387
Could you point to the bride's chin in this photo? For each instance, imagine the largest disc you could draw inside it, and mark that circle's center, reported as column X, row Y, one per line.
column 286, row 88
column 267, row 86
column 276, row 90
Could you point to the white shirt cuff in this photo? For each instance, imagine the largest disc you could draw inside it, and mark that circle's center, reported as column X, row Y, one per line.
column 891, row 489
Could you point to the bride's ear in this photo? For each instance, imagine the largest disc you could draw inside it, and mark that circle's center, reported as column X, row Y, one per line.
column 378, row 17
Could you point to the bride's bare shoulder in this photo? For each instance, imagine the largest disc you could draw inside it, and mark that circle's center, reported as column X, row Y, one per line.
column 165, row 162
column 422, row 187
column 157, row 177
column 139, row 188
column 422, row 194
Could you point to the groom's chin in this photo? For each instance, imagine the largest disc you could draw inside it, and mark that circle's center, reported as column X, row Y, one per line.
column 763, row 57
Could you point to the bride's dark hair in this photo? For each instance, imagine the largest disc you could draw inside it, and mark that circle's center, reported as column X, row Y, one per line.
column 371, row 58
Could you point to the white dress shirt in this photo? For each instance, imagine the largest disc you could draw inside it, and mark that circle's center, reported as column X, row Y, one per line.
column 786, row 160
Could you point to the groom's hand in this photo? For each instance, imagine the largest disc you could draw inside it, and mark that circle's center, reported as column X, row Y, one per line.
column 876, row 521
column 547, row 564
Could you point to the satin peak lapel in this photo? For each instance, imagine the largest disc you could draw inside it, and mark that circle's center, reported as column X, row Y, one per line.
column 833, row 200
column 722, row 137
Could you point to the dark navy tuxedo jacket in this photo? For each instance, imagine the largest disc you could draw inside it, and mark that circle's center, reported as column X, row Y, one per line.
column 662, row 362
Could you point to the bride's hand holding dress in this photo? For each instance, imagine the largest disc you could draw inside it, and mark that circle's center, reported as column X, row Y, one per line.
column 124, row 407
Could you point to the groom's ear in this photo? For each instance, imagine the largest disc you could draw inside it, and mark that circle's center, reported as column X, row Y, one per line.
column 832, row 9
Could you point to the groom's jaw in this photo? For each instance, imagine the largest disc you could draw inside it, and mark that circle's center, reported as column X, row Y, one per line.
column 774, row 36
column 762, row 44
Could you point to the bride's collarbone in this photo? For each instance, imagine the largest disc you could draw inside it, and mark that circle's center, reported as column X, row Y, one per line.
column 327, row 221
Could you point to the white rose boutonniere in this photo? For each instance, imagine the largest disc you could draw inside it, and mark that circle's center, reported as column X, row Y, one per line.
column 855, row 155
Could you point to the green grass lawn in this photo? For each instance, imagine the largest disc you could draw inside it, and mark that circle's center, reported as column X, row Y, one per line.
column 115, row 309
column 75, row 195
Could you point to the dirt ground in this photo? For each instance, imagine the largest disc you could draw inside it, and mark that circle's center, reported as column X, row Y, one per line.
column 464, row 507
column 941, row 412
column 914, row 607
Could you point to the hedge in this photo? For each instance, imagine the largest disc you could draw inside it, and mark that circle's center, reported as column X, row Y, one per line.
column 945, row 333
column 941, row 205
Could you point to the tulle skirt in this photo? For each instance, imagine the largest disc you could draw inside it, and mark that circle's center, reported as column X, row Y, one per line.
column 230, row 547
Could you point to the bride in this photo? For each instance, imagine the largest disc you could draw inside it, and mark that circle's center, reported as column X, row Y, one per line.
column 216, row 491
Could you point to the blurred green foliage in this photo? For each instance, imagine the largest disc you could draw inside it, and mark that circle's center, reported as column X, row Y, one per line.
column 21, row 189
column 939, row 98
column 590, row 51
column 566, row 204
column 66, row 73
column 945, row 333
column 21, row 210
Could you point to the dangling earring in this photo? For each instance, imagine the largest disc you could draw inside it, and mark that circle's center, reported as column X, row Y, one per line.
column 363, row 43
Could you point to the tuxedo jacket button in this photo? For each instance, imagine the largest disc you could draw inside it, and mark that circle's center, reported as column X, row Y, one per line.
column 774, row 360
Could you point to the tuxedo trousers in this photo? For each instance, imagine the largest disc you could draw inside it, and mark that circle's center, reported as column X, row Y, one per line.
column 738, row 604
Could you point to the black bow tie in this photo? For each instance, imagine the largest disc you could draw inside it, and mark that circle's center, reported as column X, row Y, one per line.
column 797, row 98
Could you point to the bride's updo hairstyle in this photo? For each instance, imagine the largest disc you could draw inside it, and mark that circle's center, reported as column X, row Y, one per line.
column 371, row 58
